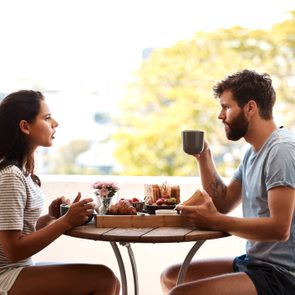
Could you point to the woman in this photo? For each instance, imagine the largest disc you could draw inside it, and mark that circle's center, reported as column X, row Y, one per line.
column 26, row 124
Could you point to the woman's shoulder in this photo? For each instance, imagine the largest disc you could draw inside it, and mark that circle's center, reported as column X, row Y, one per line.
column 12, row 170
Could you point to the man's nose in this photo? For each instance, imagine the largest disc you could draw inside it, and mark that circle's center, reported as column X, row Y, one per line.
column 221, row 115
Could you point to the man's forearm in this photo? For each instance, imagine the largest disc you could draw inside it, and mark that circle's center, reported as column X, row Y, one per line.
column 256, row 229
column 211, row 181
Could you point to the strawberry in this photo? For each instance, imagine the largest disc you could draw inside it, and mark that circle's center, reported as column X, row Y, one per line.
column 160, row 201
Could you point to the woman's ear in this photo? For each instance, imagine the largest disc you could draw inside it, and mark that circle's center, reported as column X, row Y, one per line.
column 24, row 127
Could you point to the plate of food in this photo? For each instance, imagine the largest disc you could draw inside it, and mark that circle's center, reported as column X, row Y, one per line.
column 160, row 197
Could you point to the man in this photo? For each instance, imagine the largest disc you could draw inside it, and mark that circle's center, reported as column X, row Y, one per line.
column 265, row 184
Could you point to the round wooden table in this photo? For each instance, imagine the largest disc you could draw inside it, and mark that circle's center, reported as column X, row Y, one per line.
column 126, row 236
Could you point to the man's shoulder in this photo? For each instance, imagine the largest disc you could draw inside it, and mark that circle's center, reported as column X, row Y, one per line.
column 282, row 139
column 285, row 135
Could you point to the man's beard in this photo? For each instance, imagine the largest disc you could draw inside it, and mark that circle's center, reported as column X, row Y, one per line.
column 237, row 128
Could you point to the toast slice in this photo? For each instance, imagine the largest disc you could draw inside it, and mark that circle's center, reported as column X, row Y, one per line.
column 196, row 199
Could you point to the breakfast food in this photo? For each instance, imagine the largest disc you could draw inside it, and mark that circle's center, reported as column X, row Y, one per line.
column 162, row 195
column 133, row 200
column 137, row 204
column 166, row 201
column 122, row 207
column 196, row 199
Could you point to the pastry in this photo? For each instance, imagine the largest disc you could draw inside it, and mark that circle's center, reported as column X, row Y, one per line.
column 122, row 207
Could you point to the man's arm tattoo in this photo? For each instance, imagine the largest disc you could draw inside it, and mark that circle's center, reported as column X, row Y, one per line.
column 218, row 188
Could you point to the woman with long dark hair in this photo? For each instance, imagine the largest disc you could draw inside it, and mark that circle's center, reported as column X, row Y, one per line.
column 26, row 124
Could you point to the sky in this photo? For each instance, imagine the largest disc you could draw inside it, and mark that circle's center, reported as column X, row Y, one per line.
column 79, row 47
column 93, row 44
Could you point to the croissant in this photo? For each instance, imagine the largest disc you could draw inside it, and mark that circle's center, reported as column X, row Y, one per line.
column 122, row 207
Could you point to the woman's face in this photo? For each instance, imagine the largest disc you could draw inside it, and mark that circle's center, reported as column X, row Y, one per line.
column 41, row 131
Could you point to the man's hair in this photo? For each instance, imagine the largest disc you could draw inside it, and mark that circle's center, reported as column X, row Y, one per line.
column 248, row 85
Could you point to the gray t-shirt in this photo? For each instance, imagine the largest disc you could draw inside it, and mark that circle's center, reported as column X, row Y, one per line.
column 273, row 165
column 21, row 202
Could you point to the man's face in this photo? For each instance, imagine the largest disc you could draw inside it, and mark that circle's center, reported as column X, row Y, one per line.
column 233, row 117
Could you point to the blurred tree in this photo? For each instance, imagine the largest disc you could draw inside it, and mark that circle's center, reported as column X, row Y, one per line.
column 172, row 91
column 283, row 35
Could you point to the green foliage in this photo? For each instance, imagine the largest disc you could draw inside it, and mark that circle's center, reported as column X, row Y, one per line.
column 172, row 91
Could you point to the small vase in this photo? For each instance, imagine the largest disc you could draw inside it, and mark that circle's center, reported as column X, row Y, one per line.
column 105, row 203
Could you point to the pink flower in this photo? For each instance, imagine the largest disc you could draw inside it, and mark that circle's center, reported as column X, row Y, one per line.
column 104, row 191
column 105, row 188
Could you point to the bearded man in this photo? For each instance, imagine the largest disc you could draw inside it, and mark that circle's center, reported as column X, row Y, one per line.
column 265, row 184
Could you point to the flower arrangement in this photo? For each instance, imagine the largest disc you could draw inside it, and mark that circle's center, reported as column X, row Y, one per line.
column 105, row 189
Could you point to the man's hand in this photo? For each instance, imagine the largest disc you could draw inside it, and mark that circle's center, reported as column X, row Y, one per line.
column 205, row 150
column 202, row 215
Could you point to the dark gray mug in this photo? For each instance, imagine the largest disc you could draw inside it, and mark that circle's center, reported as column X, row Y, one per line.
column 63, row 209
column 193, row 141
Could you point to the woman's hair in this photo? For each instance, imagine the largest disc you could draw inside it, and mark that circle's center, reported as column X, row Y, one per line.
column 248, row 85
column 14, row 146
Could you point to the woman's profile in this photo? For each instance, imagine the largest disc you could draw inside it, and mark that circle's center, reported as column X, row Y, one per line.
column 26, row 124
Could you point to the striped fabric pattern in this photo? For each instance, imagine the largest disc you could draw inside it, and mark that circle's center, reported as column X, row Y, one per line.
column 21, row 202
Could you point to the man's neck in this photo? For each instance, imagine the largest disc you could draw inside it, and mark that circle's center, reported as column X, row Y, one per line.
column 259, row 132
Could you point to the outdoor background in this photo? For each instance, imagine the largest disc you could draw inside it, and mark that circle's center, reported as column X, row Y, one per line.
column 123, row 78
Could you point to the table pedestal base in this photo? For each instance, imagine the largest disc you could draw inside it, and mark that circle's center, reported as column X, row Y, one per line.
column 181, row 274
column 187, row 261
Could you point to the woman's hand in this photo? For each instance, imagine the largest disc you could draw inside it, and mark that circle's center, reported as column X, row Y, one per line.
column 53, row 209
column 204, row 215
column 79, row 211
